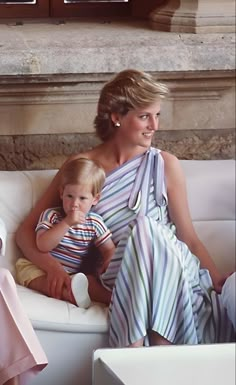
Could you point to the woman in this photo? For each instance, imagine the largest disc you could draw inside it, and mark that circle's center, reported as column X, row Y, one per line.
column 162, row 293
column 21, row 356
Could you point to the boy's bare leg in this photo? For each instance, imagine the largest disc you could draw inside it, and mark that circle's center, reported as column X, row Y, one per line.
column 40, row 284
column 97, row 292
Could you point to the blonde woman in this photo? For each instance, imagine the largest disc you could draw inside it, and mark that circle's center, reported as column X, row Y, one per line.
column 165, row 286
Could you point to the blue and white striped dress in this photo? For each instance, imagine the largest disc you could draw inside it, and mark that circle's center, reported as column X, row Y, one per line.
column 157, row 282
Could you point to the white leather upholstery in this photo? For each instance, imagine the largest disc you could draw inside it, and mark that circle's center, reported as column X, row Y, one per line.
column 69, row 334
column 211, row 196
column 3, row 237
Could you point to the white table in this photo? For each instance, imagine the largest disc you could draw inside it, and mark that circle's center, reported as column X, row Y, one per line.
column 166, row 365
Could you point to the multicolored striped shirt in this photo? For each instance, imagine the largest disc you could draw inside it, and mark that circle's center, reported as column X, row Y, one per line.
column 75, row 244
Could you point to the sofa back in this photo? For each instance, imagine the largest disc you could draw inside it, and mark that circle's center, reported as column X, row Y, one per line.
column 19, row 190
column 211, row 193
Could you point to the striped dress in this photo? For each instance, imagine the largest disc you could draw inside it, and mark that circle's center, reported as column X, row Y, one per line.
column 157, row 282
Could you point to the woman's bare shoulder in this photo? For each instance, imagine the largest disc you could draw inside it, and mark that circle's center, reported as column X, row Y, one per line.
column 79, row 155
column 169, row 158
column 93, row 154
column 173, row 169
column 97, row 153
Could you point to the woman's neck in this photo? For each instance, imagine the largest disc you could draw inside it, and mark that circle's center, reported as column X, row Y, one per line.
column 111, row 155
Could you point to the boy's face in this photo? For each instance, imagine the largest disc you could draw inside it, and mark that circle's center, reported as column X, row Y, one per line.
column 78, row 197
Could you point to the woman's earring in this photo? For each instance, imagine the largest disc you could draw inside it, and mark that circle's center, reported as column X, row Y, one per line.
column 117, row 124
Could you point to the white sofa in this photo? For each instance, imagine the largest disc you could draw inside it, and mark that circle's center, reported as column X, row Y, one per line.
column 69, row 334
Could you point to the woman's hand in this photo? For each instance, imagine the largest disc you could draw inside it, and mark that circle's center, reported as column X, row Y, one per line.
column 58, row 280
column 219, row 282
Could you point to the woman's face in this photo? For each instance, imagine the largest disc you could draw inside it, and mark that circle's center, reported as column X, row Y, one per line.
column 138, row 126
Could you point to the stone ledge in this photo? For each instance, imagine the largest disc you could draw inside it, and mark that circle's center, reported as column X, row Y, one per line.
column 47, row 65
column 30, row 152
column 88, row 47
column 57, row 104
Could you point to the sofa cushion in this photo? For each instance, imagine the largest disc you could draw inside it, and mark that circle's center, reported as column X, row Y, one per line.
column 211, row 189
column 219, row 239
column 48, row 313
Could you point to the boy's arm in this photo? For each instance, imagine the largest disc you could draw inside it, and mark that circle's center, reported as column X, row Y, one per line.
column 48, row 239
column 107, row 250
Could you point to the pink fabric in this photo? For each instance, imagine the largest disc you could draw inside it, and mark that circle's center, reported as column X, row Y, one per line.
column 20, row 351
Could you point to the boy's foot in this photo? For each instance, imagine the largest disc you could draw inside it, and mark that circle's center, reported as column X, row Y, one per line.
column 79, row 287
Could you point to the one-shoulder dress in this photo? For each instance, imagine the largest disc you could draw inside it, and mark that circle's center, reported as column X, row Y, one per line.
column 157, row 283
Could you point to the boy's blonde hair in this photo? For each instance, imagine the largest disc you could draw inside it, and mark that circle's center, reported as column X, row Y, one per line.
column 83, row 171
column 129, row 89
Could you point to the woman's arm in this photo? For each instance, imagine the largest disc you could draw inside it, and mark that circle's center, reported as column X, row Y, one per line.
column 180, row 215
column 47, row 240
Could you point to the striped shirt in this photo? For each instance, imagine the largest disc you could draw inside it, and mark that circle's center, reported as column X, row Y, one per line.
column 75, row 244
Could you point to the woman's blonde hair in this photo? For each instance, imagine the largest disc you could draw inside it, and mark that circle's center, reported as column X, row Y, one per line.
column 129, row 89
column 83, row 171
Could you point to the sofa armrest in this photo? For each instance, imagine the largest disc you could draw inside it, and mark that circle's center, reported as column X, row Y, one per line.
column 3, row 237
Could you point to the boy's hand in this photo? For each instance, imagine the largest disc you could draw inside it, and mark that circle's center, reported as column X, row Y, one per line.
column 74, row 217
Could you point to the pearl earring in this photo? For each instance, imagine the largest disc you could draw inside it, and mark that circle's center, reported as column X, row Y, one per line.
column 117, row 124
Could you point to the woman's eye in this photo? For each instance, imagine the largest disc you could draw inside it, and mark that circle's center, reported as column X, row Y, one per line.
column 143, row 117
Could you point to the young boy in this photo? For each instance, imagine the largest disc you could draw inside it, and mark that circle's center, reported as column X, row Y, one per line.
column 69, row 231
